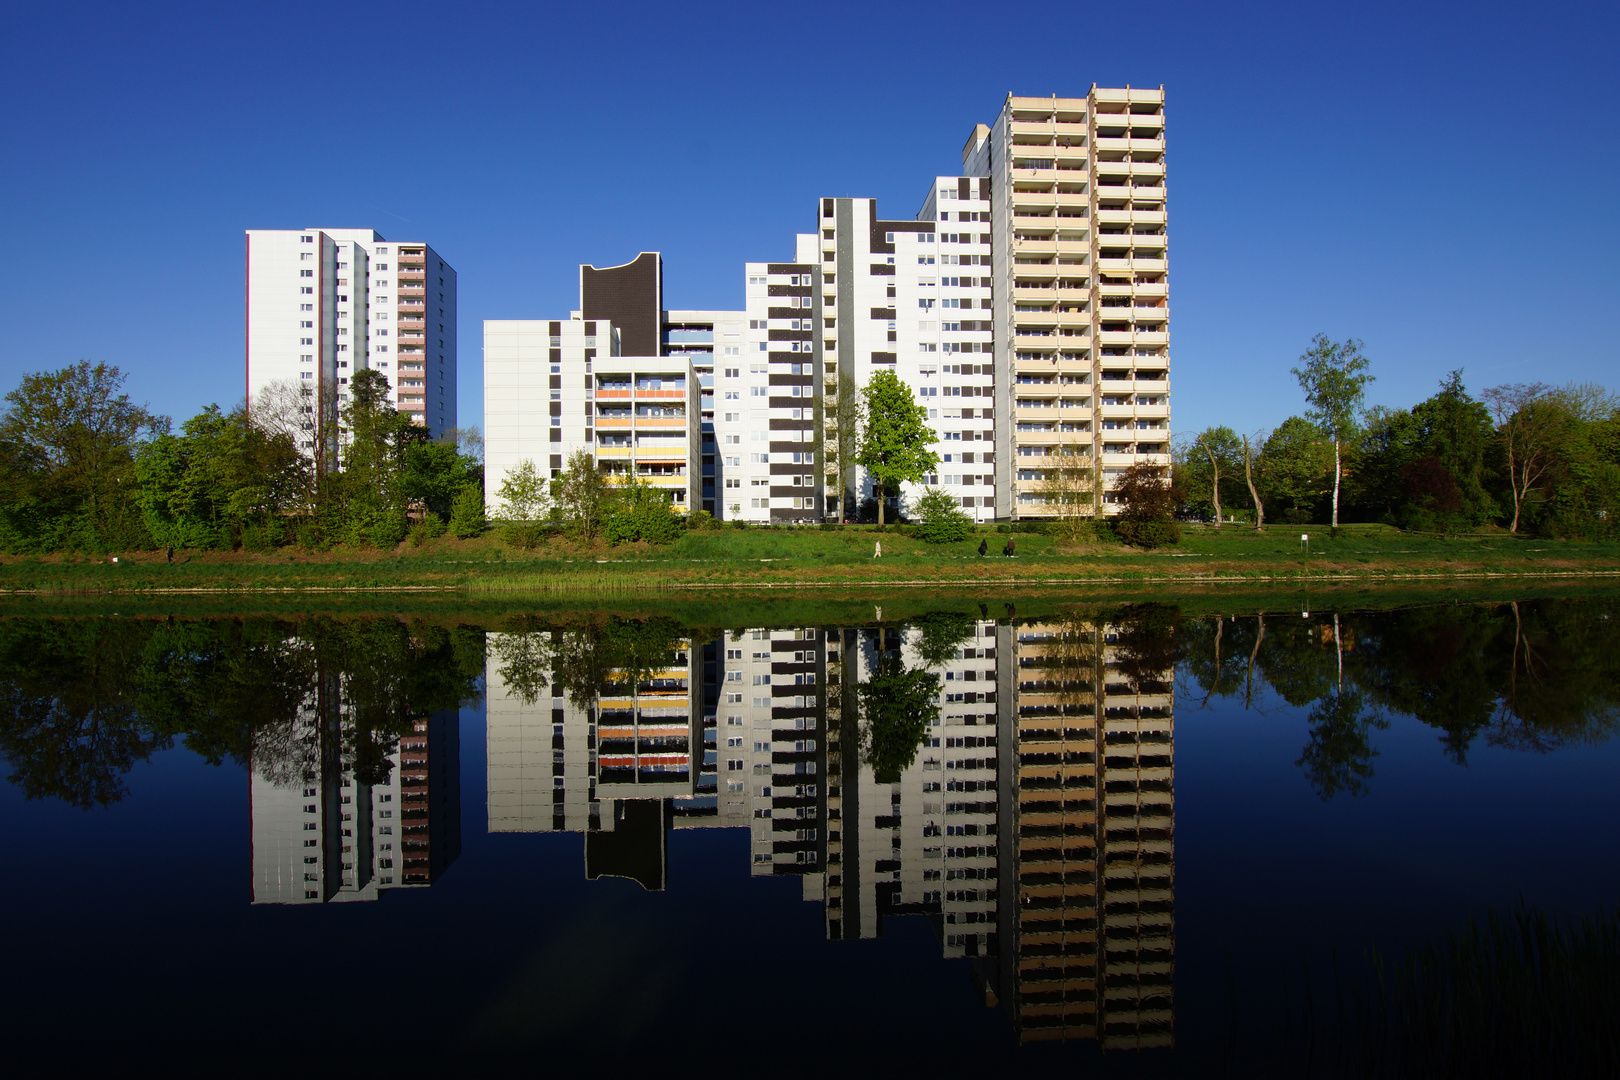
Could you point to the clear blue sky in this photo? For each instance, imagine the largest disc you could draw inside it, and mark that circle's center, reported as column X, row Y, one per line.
column 1439, row 180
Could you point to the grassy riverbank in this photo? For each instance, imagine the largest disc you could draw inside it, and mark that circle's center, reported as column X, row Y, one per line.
column 837, row 559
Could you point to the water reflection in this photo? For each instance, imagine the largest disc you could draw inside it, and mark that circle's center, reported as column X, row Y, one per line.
column 1010, row 779
column 1011, row 783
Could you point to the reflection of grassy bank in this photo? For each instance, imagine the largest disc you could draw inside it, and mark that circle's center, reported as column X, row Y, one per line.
column 818, row 607
column 832, row 559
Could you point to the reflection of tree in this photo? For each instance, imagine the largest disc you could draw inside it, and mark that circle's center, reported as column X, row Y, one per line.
column 525, row 654
column 1072, row 653
column 898, row 706
column 591, row 660
column 69, row 725
column 1216, row 651
column 1147, row 644
column 941, row 634
column 82, row 700
column 1339, row 755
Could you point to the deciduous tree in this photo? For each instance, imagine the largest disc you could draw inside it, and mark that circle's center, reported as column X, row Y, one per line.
column 894, row 446
column 1334, row 377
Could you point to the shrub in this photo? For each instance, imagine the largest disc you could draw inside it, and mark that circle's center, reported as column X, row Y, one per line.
column 1147, row 534
column 258, row 538
column 386, row 531
column 311, row 537
column 429, row 527
column 940, row 518
column 739, row 523
column 467, row 513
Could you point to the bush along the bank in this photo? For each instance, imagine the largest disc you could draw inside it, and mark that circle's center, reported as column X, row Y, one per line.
column 940, row 519
column 1146, row 500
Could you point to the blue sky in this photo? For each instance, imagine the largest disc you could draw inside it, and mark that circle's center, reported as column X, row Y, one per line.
column 1437, row 179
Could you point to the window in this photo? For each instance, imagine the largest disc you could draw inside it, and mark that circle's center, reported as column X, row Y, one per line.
column 306, row 341
column 306, row 273
column 382, row 251
column 306, row 290
column 306, row 239
column 731, row 373
column 307, row 325
column 307, row 255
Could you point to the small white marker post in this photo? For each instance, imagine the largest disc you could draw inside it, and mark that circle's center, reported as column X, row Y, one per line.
column 1305, row 542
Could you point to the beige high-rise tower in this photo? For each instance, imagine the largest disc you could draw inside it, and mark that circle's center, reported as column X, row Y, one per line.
column 1081, row 293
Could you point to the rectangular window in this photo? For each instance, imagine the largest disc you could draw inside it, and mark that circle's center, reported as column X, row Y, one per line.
column 306, row 273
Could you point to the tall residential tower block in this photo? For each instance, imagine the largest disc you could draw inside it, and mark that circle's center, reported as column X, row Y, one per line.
column 326, row 304
column 1025, row 304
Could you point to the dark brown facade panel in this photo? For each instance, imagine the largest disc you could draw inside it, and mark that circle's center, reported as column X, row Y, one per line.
column 788, row 268
column 784, row 379
column 880, row 269
column 984, row 187
column 883, row 313
column 885, row 357
column 556, row 329
column 826, row 208
column 964, row 188
column 630, row 297
column 791, row 425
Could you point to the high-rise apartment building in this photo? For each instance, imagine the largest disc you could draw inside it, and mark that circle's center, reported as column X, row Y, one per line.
column 324, row 305
column 1025, row 304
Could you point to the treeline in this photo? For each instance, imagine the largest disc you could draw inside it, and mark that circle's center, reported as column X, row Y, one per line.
column 1527, row 457
column 83, row 468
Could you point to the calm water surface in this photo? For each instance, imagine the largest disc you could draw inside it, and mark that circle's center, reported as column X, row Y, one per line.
column 1120, row 841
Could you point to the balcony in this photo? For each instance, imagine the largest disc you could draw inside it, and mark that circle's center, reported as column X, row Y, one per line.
column 1149, row 194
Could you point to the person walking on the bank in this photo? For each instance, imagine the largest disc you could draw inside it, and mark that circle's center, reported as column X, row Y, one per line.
column 877, row 551
column 1008, row 550
column 984, row 547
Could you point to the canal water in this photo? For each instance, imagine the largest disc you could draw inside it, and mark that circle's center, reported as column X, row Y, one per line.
column 1118, row 840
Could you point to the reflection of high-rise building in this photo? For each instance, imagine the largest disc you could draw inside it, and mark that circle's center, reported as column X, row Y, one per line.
column 1088, row 951
column 605, row 768
column 1033, row 827
column 336, row 819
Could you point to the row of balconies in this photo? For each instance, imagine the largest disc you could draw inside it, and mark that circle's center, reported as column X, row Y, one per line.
column 1130, row 217
column 1143, row 145
column 1049, row 126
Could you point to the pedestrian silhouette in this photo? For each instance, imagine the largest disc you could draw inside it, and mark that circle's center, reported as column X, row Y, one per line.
column 877, row 550
column 1008, row 550
column 984, row 547
column 171, row 553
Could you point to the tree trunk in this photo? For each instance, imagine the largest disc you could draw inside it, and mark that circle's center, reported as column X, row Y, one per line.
column 1513, row 482
column 1214, row 484
column 1335, row 483
column 879, row 493
column 1248, row 477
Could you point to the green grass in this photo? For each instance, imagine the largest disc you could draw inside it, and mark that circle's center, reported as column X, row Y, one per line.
column 835, row 558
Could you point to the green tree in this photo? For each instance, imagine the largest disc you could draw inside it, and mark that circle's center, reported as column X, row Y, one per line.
column 1294, row 466
column 579, row 493
column 1209, row 463
column 1334, row 379
column 467, row 513
column 68, row 440
column 895, row 443
column 368, row 501
column 941, row 520
column 524, row 500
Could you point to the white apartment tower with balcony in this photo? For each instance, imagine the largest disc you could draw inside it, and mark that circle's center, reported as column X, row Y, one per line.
column 325, row 304
column 1025, row 304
